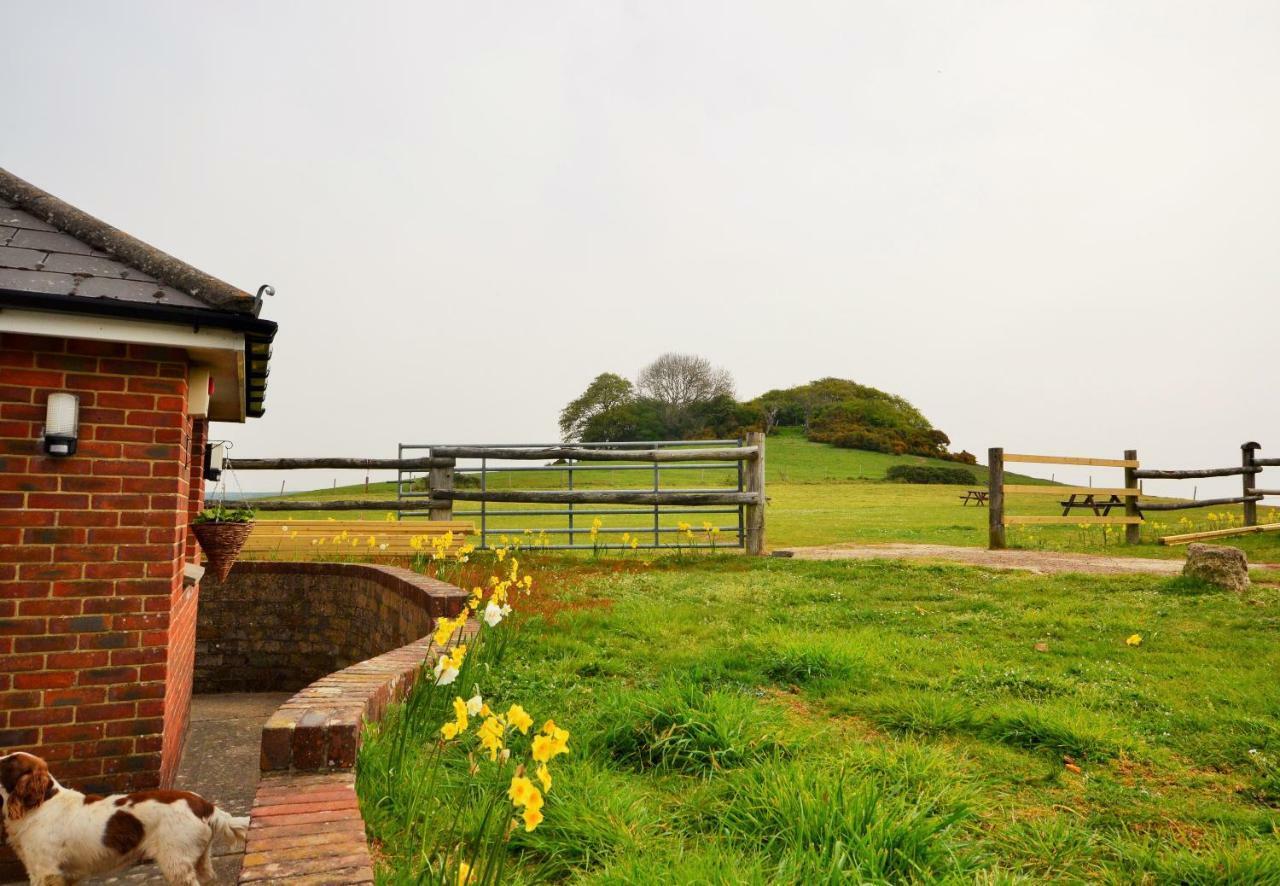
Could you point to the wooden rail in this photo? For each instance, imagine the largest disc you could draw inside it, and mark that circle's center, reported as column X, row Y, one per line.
column 1071, row 460
column 1069, row 521
column 1189, row 504
column 369, row 504
column 366, row 464
column 1072, row 490
column 599, row 497
column 1147, row 474
column 1188, row 537
column 579, row 453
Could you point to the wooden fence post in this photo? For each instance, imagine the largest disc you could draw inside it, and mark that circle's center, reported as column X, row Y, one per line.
column 753, row 481
column 995, row 498
column 1132, row 531
column 1249, row 481
column 441, row 480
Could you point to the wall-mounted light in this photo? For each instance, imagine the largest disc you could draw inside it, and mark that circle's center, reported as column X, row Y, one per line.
column 61, row 424
column 214, row 456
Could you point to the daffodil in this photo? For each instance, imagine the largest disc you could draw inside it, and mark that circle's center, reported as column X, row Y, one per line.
column 544, row 776
column 532, row 818
column 490, row 734
column 465, row 875
column 521, row 790
column 519, row 719
column 492, row 614
column 475, row 704
column 1134, row 640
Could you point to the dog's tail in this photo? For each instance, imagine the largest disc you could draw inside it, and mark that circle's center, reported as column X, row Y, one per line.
column 235, row 829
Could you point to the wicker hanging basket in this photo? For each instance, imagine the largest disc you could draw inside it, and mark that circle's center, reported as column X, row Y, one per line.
column 221, row 543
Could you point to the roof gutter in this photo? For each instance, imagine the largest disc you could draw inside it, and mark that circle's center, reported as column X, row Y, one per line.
column 259, row 333
column 110, row 307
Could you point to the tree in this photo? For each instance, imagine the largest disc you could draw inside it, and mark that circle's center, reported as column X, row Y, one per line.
column 679, row 380
column 606, row 391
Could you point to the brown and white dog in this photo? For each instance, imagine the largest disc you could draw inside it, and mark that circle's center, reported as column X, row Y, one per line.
column 63, row 835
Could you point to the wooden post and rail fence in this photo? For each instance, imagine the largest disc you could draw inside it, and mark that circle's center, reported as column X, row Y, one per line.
column 442, row 490
column 1127, row 495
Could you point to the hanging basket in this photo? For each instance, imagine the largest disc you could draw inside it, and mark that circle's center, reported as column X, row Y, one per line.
column 221, row 543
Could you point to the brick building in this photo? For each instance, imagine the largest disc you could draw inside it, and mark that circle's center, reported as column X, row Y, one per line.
column 99, row 581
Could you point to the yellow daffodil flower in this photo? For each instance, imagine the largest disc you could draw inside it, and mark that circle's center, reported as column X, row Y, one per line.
column 517, row 717
column 521, row 790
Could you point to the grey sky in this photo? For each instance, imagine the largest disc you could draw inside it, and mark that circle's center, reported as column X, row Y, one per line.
column 1051, row 226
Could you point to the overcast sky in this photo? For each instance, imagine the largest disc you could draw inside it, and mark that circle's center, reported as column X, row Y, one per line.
column 1052, row 227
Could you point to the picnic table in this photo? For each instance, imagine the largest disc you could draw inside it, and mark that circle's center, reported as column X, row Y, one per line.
column 1090, row 501
column 978, row 495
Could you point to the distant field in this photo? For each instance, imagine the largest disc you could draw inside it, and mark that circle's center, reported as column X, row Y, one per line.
column 823, row 495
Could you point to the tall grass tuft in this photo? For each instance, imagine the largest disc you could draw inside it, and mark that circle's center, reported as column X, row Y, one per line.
column 826, row 825
column 1222, row 863
column 682, row 728
column 811, row 662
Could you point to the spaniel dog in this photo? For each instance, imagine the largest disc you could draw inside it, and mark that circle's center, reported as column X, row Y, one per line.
column 63, row 835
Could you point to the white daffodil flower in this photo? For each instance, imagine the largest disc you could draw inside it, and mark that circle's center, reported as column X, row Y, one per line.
column 493, row 614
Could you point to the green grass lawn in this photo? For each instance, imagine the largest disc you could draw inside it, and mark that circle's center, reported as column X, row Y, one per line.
column 744, row 720
column 823, row 495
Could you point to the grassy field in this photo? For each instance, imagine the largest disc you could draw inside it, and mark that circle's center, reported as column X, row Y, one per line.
column 823, row 495
column 773, row 721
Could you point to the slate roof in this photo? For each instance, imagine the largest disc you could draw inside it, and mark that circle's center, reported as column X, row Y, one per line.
column 48, row 247
column 55, row 257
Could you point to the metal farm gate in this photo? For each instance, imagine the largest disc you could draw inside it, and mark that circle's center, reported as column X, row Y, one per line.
column 593, row 496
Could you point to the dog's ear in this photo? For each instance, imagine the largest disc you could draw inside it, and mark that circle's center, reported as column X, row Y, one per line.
column 32, row 789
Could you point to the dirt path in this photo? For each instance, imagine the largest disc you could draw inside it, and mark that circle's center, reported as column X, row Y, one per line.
column 1043, row 562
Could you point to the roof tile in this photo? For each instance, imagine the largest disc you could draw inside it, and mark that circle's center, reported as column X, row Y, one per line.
column 51, row 241
column 10, row 215
column 135, row 291
column 37, row 281
column 95, row 265
column 13, row 257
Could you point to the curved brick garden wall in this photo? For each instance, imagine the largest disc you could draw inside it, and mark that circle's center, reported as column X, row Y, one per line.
column 351, row 638
column 274, row 626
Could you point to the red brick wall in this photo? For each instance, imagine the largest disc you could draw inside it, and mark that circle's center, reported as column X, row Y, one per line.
column 95, row 624
column 182, row 616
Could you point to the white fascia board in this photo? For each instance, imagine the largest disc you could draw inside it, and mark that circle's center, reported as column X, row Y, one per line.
column 120, row 329
column 222, row 350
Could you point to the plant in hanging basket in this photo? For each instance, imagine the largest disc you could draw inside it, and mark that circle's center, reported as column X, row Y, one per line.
column 222, row 532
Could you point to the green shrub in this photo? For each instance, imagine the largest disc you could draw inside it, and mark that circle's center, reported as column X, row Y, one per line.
column 930, row 474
